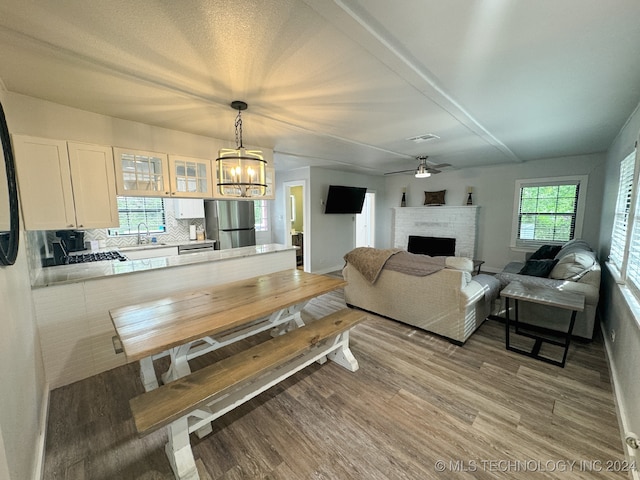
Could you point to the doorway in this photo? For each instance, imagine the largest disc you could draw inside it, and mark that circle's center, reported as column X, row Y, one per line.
column 296, row 221
column 366, row 222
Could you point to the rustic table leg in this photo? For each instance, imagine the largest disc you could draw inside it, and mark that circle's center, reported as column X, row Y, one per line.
column 178, row 450
column 343, row 356
column 148, row 374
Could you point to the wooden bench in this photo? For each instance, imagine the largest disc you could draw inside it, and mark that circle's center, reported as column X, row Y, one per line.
column 191, row 403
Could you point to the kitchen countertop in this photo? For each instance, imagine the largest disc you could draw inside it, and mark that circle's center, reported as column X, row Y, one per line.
column 147, row 246
column 80, row 272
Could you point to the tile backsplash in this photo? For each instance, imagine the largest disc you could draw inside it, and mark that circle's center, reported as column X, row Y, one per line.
column 177, row 230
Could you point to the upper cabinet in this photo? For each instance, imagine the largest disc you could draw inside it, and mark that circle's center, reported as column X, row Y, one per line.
column 140, row 173
column 65, row 185
column 152, row 174
column 190, row 177
column 188, row 208
column 94, row 185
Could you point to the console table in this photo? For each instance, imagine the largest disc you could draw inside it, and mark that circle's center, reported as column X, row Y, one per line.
column 518, row 291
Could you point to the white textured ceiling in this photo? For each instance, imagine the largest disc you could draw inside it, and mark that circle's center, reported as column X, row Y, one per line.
column 342, row 83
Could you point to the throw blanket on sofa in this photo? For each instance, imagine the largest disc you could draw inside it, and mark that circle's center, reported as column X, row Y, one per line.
column 415, row 264
column 369, row 261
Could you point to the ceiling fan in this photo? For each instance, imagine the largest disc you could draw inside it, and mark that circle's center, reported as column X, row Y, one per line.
column 424, row 170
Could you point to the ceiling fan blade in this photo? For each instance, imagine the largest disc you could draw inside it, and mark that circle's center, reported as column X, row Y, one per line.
column 433, row 170
column 441, row 165
column 400, row 171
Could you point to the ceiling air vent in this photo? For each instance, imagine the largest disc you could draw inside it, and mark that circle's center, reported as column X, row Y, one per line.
column 423, row 138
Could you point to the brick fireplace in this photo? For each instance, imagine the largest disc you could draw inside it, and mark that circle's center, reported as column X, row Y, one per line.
column 460, row 223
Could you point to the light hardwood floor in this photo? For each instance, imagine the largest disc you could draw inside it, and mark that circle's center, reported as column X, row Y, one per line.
column 416, row 400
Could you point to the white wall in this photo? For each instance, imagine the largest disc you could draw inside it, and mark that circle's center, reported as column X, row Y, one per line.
column 615, row 314
column 334, row 234
column 23, row 391
column 330, row 236
column 493, row 191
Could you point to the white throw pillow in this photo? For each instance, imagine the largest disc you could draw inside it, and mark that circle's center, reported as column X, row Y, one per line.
column 573, row 266
column 459, row 263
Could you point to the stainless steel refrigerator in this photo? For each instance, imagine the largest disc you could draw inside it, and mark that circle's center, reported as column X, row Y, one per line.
column 230, row 223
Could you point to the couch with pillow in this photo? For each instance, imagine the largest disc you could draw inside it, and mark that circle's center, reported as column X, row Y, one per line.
column 572, row 267
column 436, row 294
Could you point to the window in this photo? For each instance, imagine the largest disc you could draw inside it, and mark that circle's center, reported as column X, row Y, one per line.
column 261, row 210
column 548, row 211
column 633, row 258
column 625, row 235
column 621, row 214
column 135, row 210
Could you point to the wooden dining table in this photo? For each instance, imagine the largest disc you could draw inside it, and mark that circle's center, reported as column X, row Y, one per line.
column 193, row 323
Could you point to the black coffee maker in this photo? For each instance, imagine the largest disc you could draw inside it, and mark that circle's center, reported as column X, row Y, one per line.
column 72, row 240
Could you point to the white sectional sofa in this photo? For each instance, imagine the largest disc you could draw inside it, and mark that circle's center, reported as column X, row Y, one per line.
column 575, row 268
column 448, row 302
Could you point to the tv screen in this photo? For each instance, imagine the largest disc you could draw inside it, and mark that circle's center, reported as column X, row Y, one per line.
column 345, row 199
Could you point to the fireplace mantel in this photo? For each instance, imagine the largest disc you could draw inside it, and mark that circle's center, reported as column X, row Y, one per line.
column 460, row 223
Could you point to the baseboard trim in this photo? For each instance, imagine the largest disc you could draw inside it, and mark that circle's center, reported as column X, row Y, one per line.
column 623, row 422
column 330, row 269
column 41, row 443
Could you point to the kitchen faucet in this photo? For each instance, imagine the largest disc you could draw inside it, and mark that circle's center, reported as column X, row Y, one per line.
column 146, row 238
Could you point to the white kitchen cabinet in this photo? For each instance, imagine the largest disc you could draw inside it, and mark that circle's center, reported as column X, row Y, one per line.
column 153, row 174
column 44, row 180
column 190, row 177
column 65, row 185
column 94, row 185
column 141, row 173
column 188, row 208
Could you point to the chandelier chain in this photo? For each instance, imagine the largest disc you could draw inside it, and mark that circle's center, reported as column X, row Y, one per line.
column 239, row 131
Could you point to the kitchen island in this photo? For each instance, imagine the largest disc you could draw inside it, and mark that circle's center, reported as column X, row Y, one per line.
column 72, row 302
column 80, row 272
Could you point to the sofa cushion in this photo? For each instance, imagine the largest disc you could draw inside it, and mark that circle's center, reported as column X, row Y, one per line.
column 573, row 246
column 538, row 268
column 459, row 263
column 573, row 265
column 545, row 251
column 506, row 278
column 513, row 267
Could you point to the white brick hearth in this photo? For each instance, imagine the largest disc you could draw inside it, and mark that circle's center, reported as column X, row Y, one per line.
column 460, row 223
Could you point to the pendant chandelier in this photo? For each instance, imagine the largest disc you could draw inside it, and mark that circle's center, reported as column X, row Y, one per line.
column 241, row 172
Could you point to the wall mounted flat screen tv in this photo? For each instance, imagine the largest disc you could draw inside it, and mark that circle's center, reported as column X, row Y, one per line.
column 342, row 199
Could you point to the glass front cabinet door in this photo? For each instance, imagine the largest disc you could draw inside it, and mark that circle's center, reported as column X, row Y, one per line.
column 190, row 177
column 140, row 173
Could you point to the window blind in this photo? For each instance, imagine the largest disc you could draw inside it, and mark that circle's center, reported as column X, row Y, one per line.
column 547, row 213
column 135, row 210
column 633, row 259
column 621, row 214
